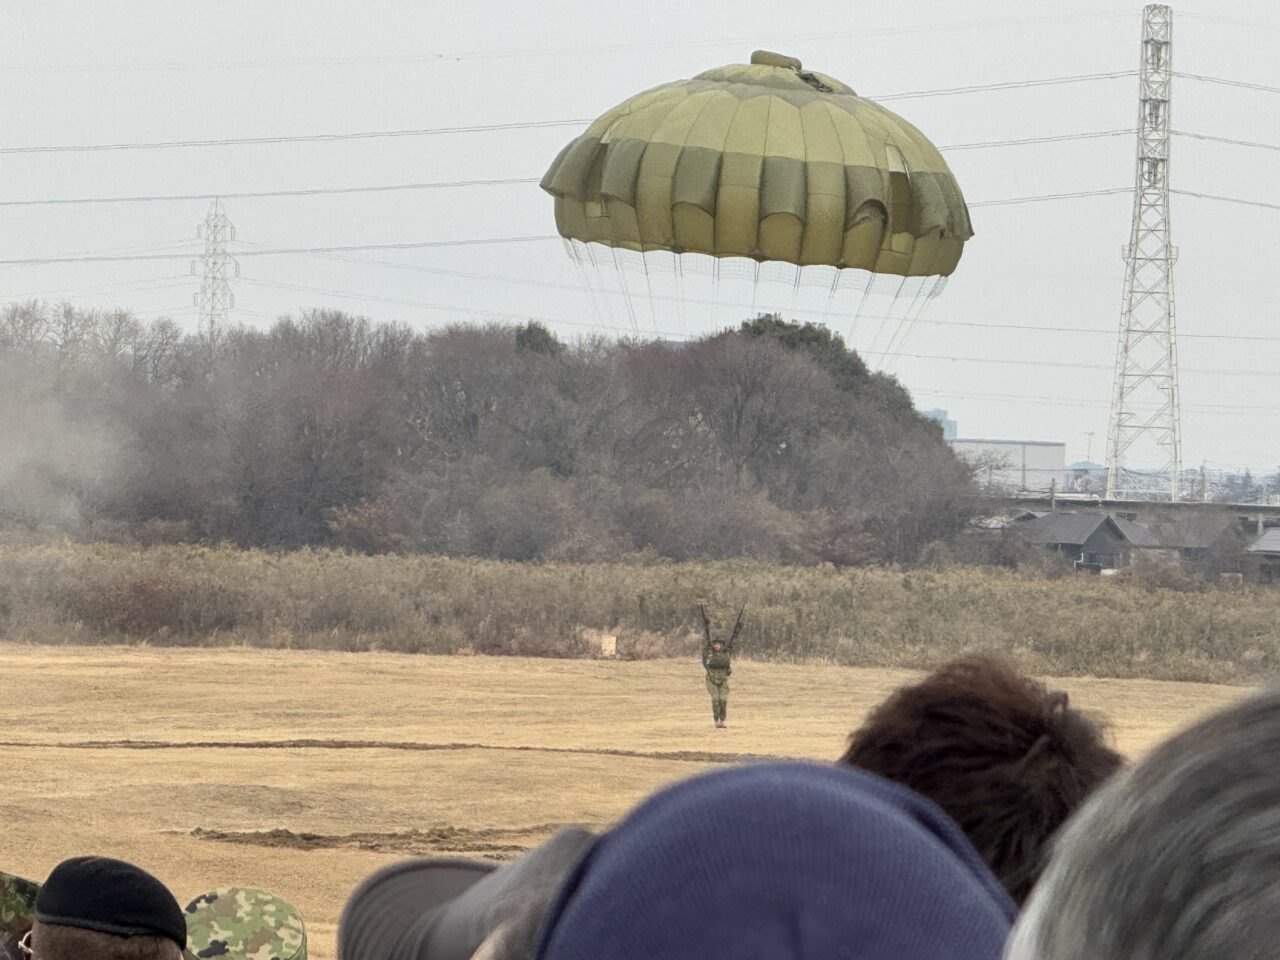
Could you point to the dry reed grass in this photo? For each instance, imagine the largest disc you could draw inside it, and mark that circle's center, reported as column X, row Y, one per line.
column 313, row 599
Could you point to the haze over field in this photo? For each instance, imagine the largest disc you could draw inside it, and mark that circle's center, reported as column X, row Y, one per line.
column 98, row 74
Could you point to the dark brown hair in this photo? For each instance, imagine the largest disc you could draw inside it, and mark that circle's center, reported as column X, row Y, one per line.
column 1006, row 757
column 56, row 942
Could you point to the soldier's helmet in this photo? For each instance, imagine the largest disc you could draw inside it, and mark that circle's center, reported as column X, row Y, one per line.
column 17, row 908
column 243, row 923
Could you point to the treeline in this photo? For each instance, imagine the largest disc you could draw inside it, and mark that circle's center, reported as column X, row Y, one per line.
column 773, row 441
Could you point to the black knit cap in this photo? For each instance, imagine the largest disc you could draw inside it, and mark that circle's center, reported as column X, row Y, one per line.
column 110, row 896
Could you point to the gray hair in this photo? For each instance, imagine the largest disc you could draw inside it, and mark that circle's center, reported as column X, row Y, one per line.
column 1176, row 858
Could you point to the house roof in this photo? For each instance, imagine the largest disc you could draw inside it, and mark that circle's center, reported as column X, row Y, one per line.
column 1194, row 532
column 1137, row 534
column 1269, row 542
column 1072, row 528
column 1076, row 528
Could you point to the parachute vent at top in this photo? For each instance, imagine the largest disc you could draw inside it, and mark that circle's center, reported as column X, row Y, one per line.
column 765, row 161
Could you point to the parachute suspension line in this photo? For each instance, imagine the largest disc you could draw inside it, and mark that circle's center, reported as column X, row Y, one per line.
column 755, row 289
column 929, row 293
column 678, row 261
column 626, row 291
column 881, row 280
column 648, row 283
column 586, row 278
column 861, row 304
column 831, row 300
column 715, row 295
column 908, row 321
column 595, row 280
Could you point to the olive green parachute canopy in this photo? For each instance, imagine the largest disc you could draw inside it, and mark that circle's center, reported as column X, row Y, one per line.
column 765, row 161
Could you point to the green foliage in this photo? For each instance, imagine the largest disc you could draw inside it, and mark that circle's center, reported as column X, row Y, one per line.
column 825, row 348
column 536, row 338
column 828, row 350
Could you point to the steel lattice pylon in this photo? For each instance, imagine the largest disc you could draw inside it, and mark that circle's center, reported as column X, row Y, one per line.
column 1144, row 455
column 215, row 268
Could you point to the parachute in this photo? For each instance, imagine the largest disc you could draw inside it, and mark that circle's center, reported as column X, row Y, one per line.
column 763, row 172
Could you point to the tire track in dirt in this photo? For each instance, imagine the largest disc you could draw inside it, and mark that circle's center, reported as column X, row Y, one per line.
column 680, row 756
column 488, row 843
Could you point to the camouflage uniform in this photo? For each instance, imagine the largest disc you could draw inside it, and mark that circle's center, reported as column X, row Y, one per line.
column 715, row 660
column 718, row 669
column 241, row 923
column 17, row 906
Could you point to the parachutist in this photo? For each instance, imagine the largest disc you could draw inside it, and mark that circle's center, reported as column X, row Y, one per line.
column 716, row 656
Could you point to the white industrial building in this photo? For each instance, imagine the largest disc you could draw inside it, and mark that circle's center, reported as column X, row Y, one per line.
column 1014, row 466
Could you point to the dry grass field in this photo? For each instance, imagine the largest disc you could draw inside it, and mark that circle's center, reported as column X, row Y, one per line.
column 302, row 771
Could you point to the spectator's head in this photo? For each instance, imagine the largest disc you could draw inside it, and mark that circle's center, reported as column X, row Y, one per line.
column 788, row 861
column 96, row 908
column 1176, row 857
column 1007, row 758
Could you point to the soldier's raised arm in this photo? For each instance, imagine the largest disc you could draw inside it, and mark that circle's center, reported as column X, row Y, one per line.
column 706, row 625
column 737, row 628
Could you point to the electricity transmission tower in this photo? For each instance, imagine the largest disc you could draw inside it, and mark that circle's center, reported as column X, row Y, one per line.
column 215, row 268
column 1144, row 454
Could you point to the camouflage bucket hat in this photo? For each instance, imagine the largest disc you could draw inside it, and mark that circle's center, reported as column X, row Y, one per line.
column 242, row 923
column 17, row 909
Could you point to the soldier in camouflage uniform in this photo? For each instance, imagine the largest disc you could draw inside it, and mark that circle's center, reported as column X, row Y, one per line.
column 233, row 923
column 715, row 659
column 17, row 910
column 241, row 923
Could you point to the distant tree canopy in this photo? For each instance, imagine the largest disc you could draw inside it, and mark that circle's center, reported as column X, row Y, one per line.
column 770, row 441
column 828, row 350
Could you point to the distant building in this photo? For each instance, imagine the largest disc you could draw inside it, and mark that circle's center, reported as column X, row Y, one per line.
column 1092, row 541
column 1007, row 466
column 948, row 426
column 1265, row 554
column 1085, row 476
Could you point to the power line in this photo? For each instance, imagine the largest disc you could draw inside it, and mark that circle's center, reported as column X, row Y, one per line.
column 165, row 280
column 1251, row 24
column 1107, row 331
column 453, row 308
column 527, row 125
column 419, row 245
column 257, row 194
column 1050, row 196
column 378, row 298
column 1227, row 83
column 1065, row 364
column 1093, row 135
column 1008, row 85
column 1238, row 143
column 416, row 245
column 1213, row 196
column 1059, row 401
column 458, row 56
column 300, row 138
column 449, row 184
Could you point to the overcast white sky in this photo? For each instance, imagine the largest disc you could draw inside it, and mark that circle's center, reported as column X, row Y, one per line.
column 153, row 70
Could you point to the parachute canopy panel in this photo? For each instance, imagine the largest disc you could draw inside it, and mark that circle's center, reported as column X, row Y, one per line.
column 766, row 161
